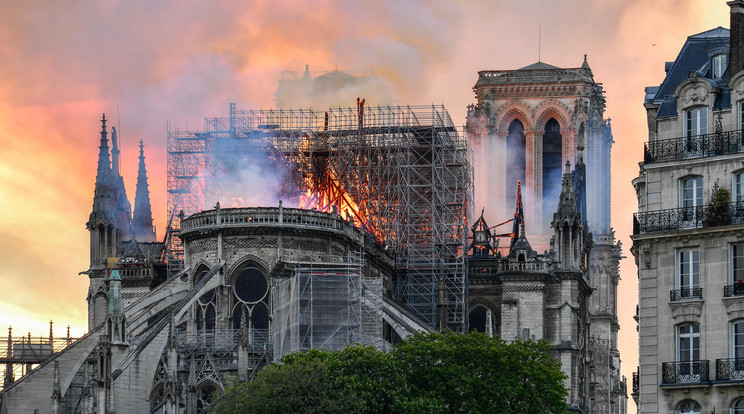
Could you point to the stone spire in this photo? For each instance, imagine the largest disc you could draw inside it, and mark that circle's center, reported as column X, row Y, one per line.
column 142, row 221
column 104, row 164
column 570, row 236
column 114, row 152
column 518, row 227
column 567, row 205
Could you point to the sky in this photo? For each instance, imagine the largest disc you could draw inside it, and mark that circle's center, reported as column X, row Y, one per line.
column 149, row 64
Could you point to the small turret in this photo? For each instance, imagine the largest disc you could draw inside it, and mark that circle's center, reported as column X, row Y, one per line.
column 115, row 324
column 569, row 238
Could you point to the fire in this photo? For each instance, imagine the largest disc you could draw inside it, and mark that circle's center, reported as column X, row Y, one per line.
column 331, row 198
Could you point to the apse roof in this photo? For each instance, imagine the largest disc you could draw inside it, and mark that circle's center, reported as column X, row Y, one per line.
column 538, row 65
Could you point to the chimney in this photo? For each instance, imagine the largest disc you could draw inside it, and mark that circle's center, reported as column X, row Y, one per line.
column 736, row 45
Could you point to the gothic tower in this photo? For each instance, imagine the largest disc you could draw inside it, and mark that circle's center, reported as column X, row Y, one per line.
column 571, row 244
column 109, row 224
column 524, row 125
column 528, row 122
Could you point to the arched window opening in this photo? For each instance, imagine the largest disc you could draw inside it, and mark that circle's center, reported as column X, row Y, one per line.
column 250, row 300
column 478, row 319
column 205, row 305
column 516, row 159
column 738, row 406
column 688, row 407
column 204, row 398
column 552, row 161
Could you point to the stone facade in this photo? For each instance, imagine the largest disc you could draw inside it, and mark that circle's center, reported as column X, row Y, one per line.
column 688, row 232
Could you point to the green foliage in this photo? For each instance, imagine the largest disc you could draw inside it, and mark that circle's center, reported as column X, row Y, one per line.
column 718, row 212
column 429, row 373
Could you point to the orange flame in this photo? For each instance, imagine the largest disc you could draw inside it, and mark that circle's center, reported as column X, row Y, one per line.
column 331, row 198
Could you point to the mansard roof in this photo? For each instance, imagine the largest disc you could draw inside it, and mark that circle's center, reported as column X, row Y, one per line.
column 694, row 56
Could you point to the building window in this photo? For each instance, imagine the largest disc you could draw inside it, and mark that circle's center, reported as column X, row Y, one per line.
column 718, row 66
column 688, row 342
column 204, row 397
column 741, row 114
column 737, row 264
column 691, row 201
column 688, row 275
column 251, row 301
column 737, row 340
column 696, row 123
column 206, row 317
column 692, row 192
column 688, row 407
column 738, row 192
column 738, row 406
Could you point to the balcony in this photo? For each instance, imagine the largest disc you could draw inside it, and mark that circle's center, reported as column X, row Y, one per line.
column 730, row 369
column 636, row 383
column 685, row 293
column 688, row 218
column 689, row 372
column 697, row 146
column 733, row 291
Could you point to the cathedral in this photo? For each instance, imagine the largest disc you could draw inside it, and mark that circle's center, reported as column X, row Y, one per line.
column 255, row 283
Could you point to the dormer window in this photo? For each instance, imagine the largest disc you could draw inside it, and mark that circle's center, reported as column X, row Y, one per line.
column 718, row 66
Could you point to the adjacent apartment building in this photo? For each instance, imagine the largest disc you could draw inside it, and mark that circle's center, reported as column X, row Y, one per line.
column 688, row 234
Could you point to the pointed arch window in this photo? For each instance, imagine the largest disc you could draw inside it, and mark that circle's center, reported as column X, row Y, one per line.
column 516, row 156
column 251, row 301
column 206, row 315
column 552, row 162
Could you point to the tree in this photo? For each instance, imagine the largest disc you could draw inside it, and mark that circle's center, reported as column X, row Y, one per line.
column 428, row 373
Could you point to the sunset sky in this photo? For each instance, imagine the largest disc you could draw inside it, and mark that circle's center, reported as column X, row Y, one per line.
column 149, row 63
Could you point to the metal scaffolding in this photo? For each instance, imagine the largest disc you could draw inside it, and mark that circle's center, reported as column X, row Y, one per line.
column 328, row 306
column 403, row 172
column 19, row 355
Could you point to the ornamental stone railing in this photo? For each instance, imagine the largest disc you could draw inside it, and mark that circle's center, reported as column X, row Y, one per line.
column 267, row 216
column 696, row 146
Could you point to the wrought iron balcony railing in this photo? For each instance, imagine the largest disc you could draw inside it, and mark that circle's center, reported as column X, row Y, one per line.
column 685, row 293
column 684, row 372
column 636, row 382
column 696, row 146
column 688, row 218
column 730, row 369
column 731, row 291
